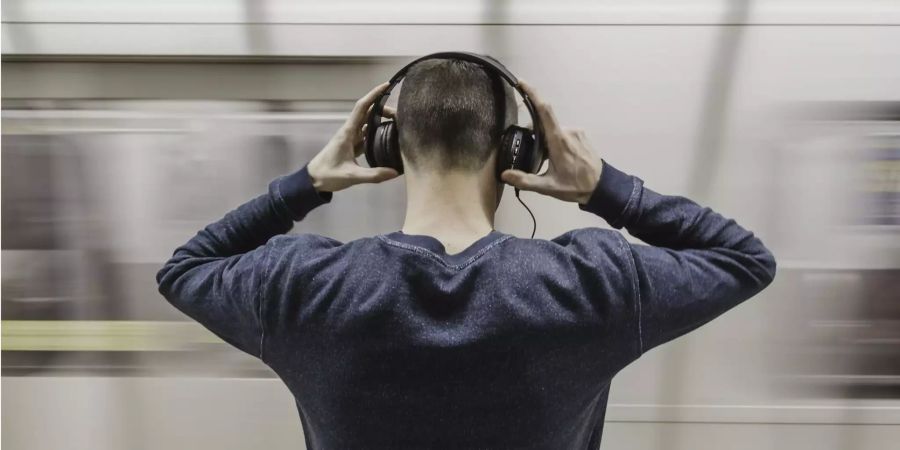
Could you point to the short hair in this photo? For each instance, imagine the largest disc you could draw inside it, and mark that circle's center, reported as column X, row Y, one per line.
column 451, row 114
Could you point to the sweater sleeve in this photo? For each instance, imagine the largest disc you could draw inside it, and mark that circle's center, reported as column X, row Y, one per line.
column 696, row 264
column 216, row 277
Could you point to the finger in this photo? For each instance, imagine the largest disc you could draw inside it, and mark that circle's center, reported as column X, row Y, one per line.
column 544, row 111
column 387, row 111
column 362, row 105
column 526, row 181
column 361, row 174
column 355, row 136
column 359, row 145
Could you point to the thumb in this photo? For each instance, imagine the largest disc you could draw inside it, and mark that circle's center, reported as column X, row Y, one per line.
column 525, row 181
column 372, row 175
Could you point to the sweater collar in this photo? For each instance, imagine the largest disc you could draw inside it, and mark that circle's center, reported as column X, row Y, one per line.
column 431, row 244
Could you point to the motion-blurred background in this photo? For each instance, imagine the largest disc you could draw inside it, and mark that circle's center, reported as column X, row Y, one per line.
column 127, row 126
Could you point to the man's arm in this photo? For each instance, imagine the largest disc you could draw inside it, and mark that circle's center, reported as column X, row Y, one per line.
column 697, row 265
column 217, row 276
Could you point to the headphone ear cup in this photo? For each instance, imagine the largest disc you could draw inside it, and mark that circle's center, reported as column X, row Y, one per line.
column 506, row 151
column 517, row 151
column 527, row 161
column 386, row 147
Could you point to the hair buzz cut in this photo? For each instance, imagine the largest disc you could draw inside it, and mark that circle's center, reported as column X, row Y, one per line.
column 451, row 114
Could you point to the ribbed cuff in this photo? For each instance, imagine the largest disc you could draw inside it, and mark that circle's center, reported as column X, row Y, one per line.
column 611, row 195
column 297, row 193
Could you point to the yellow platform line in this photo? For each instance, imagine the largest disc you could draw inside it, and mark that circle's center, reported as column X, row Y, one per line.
column 103, row 335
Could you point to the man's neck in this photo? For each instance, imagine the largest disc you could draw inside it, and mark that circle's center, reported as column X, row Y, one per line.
column 454, row 207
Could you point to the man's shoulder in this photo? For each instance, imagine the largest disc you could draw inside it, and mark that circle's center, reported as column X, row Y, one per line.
column 588, row 241
column 592, row 240
column 590, row 233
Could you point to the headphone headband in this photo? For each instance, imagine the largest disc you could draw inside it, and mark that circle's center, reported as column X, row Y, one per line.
column 484, row 61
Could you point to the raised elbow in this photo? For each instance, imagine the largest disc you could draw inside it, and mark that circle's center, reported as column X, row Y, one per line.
column 768, row 267
column 170, row 275
column 163, row 279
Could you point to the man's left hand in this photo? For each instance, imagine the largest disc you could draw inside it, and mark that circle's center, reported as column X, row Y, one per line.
column 334, row 168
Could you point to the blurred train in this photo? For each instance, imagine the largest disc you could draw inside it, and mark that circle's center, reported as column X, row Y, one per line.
column 128, row 126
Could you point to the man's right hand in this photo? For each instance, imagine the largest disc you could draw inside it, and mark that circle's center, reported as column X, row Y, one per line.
column 574, row 169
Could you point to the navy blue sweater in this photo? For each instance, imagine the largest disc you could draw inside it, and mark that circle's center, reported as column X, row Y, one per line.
column 388, row 342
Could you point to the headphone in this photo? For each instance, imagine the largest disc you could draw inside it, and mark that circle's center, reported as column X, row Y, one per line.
column 520, row 147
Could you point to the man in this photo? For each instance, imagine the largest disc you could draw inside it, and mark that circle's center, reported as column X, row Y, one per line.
column 448, row 333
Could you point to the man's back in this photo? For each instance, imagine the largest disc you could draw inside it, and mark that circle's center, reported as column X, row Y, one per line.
column 388, row 342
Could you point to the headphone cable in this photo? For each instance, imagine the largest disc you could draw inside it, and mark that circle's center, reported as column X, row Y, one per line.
column 533, row 220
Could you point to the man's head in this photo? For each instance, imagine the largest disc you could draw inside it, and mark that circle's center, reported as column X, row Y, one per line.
column 451, row 115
